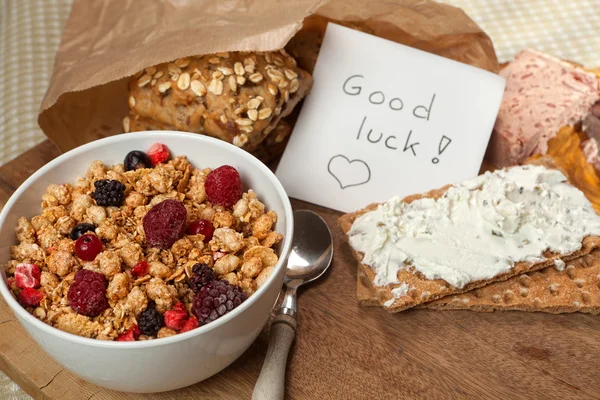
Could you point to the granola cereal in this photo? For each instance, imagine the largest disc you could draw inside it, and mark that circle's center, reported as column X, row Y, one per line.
column 213, row 247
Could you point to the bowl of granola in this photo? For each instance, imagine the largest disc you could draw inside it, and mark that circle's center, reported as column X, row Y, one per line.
column 146, row 262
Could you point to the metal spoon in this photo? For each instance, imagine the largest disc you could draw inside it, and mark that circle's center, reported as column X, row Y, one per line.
column 312, row 251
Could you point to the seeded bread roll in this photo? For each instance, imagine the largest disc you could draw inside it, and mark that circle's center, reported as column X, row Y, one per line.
column 237, row 97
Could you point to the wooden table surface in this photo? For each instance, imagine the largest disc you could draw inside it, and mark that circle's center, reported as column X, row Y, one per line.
column 344, row 351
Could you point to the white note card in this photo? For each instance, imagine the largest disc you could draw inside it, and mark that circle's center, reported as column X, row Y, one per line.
column 384, row 120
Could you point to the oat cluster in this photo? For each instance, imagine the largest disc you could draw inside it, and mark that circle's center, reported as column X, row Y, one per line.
column 240, row 251
column 238, row 97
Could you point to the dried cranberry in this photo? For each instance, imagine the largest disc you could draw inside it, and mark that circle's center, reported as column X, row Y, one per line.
column 129, row 335
column 140, row 269
column 223, row 186
column 176, row 318
column 88, row 247
column 165, row 223
column 87, row 293
column 191, row 323
column 201, row 227
column 30, row 297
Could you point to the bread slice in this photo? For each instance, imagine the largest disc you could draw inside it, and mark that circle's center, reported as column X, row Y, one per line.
column 422, row 290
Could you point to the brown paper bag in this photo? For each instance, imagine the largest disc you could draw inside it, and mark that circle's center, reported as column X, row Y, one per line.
column 105, row 42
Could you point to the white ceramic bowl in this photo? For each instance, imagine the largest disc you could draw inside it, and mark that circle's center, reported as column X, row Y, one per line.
column 180, row 360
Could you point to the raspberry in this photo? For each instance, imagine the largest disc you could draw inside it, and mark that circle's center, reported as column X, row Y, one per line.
column 30, row 297
column 165, row 223
column 176, row 318
column 27, row 276
column 109, row 192
column 88, row 246
column 158, row 153
column 150, row 321
column 223, row 186
column 129, row 335
column 216, row 299
column 203, row 274
column 201, row 227
column 191, row 323
column 140, row 269
column 86, row 293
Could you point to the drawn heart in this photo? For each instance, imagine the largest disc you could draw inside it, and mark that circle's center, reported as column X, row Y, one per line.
column 348, row 172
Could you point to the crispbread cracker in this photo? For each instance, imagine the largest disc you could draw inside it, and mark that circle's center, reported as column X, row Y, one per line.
column 575, row 289
column 423, row 290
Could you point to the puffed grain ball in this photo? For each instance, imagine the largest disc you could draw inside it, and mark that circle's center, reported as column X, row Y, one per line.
column 226, row 264
column 48, row 280
column 224, row 219
column 262, row 226
column 96, row 171
column 136, row 301
column 228, row 239
column 25, row 231
column 40, row 222
column 60, row 193
column 65, row 224
column 109, row 263
column 49, row 237
column 159, row 270
column 107, row 231
column 131, row 254
column 118, row 287
column 263, row 276
column 240, row 208
column 252, row 267
column 135, row 199
column 181, row 247
column 61, row 262
column 165, row 332
column 96, row 214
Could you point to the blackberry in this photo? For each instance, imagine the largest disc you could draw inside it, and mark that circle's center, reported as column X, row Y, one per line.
column 81, row 229
column 216, row 299
column 136, row 160
column 150, row 321
column 203, row 274
column 109, row 192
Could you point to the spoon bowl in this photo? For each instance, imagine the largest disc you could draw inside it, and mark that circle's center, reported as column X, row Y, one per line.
column 312, row 249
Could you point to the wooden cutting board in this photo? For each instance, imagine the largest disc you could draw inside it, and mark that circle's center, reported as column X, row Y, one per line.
column 343, row 351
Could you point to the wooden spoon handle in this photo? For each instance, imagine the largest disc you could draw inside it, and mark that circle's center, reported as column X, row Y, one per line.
column 271, row 382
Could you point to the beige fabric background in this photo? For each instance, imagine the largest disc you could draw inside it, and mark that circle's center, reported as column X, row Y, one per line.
column 30, row 34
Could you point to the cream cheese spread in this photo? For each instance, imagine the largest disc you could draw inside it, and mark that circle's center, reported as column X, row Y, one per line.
column 478, row 229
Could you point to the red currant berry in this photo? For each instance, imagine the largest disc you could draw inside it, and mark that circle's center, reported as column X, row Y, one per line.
column 88, row 247
column 201, row 227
